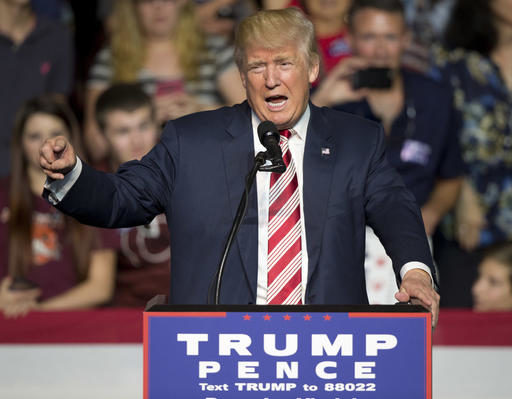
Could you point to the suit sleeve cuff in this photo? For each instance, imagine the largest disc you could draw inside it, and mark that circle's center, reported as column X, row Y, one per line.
column 416, row 265
column 59, row 188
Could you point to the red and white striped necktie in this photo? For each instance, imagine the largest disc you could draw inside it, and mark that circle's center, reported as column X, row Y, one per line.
column 284, row 260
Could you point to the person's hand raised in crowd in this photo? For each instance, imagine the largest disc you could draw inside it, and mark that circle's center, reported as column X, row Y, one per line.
column 469, row 218
column 417, row 288
column 57, row 157
column 16, row 303
column 336, row 87
column 174, row 105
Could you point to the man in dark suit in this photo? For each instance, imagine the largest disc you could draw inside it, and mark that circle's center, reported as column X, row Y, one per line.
column 196, row 176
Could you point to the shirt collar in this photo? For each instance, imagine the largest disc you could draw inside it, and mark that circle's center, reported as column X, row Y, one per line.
column 300, row 128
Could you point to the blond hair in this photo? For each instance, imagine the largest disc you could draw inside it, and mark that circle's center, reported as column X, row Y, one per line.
column 277, row 28
column 128, row 46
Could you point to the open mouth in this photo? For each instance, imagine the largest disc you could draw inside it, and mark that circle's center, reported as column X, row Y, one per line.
column 276, row 102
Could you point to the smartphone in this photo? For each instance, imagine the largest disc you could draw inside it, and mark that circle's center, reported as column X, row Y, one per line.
column 372, row 78
column 21, row 283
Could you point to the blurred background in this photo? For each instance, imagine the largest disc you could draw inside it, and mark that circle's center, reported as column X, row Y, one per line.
column 437, row 74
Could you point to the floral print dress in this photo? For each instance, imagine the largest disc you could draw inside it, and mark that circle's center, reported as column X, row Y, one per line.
column 485, row 104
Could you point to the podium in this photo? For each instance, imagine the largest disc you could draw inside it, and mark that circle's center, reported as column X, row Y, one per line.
column 287, row 352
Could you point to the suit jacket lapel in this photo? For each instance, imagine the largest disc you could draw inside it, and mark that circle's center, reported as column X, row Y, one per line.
column 238, row 155
column 319, row 161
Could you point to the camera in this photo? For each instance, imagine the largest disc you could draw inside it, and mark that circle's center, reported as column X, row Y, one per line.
column 372, row 78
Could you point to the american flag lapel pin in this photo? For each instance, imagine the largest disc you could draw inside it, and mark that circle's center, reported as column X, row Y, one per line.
column 326, row 151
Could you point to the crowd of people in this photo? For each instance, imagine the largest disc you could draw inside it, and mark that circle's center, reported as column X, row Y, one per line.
column 436, row 74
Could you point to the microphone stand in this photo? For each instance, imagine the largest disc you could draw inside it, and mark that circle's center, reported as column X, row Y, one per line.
column 258, row 164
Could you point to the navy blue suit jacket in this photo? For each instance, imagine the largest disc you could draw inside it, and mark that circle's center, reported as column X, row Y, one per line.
column 195, row 175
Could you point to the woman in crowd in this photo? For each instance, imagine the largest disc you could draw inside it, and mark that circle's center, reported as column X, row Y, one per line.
column 47, row 260
column 480, row 71
column 492, row 291
column 158, row 44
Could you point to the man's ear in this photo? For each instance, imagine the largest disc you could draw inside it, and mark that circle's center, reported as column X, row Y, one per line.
column 314, row 70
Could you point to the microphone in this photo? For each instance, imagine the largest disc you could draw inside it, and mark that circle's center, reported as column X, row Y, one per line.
column 269, row 136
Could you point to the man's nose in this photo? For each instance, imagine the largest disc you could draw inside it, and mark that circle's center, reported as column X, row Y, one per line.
column 381, row 52
column 272, row 77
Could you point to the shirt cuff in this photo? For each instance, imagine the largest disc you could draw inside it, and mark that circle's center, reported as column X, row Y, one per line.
column 59, row 188
column 416, row 265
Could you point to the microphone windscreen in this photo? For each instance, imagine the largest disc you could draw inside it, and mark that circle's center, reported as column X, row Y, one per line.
column 267, row 128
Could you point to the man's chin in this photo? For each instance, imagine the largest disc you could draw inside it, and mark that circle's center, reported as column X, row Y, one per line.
column 280, row 121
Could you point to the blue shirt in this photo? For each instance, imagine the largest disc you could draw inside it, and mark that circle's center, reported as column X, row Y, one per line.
column 423, row 144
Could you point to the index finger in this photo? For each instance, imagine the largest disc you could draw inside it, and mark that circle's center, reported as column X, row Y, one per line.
column 427, row 297
column 357, row 63
column 420, row 291
column 60, row 144
column 348, row 66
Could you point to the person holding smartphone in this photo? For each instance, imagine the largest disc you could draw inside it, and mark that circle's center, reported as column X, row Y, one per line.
column 417, row 114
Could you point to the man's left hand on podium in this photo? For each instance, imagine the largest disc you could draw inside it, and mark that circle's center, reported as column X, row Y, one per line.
column 417, row 288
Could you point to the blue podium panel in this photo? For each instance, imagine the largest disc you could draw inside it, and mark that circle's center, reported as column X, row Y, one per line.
column 296, row 353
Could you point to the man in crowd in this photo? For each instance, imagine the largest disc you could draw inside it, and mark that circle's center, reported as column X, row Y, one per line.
column 36, row 57
column 302, row 240
column 127, row 118
column 417, row 114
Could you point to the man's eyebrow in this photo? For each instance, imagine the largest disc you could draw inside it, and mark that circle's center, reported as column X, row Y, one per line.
column 281, row 58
